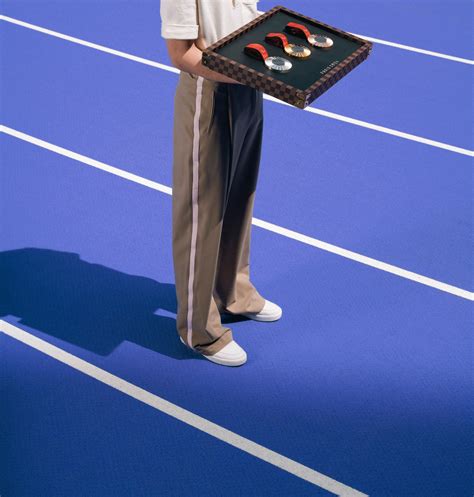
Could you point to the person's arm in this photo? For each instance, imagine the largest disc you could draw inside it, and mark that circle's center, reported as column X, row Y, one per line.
column 186, row 56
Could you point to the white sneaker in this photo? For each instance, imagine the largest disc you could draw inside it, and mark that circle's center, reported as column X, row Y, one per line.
column 231, row 354
column 270, row 312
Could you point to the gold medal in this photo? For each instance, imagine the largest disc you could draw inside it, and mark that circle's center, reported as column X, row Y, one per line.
column 317, row 40
column 280, row 40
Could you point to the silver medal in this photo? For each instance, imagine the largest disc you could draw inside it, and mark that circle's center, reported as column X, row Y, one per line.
column 279, row 64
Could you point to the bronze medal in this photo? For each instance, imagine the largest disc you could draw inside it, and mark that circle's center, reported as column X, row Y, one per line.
column 280, row 40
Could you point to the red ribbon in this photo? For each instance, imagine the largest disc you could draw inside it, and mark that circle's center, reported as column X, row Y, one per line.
column 271, row 38
column 259, row 48
column 299, row 27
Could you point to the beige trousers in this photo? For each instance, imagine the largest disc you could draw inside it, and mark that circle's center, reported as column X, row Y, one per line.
column 217, row 138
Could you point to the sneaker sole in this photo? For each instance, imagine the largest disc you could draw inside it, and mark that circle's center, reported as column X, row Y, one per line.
column 213, row 359
column 265, row 318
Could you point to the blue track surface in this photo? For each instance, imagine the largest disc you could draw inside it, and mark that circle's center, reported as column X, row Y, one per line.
column 366, row 378
column 115, row 446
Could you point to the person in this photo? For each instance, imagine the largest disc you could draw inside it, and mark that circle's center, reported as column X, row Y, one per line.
column 217, row 140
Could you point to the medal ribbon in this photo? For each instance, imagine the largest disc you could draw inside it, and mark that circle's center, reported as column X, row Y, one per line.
column 296, row 28
column 274, row 37
column 252, row 47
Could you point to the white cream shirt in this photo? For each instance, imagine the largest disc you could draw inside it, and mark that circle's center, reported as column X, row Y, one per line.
column 205, row 20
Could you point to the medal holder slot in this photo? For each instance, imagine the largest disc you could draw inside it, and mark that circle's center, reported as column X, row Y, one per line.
column 308, row 78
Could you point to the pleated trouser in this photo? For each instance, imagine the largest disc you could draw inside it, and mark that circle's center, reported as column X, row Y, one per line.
column 217, row 139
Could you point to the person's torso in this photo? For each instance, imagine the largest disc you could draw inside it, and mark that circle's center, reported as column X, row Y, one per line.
column 218, row 18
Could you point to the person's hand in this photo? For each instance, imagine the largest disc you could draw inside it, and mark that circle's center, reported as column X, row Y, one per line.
column 234, row 81
column 186, row 56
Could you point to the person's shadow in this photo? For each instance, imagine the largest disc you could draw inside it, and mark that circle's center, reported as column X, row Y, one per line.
column 89, row 305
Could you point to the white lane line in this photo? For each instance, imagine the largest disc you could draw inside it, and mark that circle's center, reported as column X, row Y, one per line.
column 181, row 414
column 418, row 50
column 88, row 44
column 314, row 242
column 381, row 129
column 314, row 110
column 368, row 261
column 86, row 160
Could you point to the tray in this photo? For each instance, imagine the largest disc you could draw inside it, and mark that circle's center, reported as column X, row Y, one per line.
column 308, row 78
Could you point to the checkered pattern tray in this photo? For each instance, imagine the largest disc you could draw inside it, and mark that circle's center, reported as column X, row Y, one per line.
column 308, row 79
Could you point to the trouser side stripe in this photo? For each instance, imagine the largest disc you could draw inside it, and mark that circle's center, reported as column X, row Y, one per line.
column 195, row 208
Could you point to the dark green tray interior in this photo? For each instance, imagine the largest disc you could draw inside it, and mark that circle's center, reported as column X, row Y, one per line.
column 304, row 72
